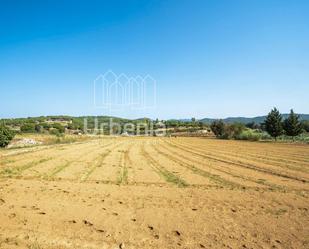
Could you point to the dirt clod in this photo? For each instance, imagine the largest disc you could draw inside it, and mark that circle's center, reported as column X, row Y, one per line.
column 87, row 223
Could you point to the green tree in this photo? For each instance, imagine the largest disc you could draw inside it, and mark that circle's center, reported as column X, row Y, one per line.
column 273, row 123
column 6, row 135
column 28, row 128
column 292, row 125
column 46, row 126
column 305, row 125
column 59, row 127
column 56, row 132
column 38, row 128
column 218, row 128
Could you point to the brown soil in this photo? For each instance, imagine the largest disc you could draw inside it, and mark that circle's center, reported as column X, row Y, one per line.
column 155, row 193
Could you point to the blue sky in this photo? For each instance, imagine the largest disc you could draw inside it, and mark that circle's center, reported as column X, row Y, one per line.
column 210, row 58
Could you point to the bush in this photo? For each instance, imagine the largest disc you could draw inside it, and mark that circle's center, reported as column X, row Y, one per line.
column 6, row 135
column 303, row 138
column 233, row 130
column 28, row 128
column 250, row 135
column 46, row 125
column 217, row 127
column 226, row 131
column 265, row 136
column 56, row 132
column 59, row 127
column 38, row 128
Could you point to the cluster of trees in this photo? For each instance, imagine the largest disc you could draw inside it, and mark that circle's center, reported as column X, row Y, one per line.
column 274, row 125
column 54, row 128
column 227, row 131
column 193, row 123
column 48, row 124
column 51, row 124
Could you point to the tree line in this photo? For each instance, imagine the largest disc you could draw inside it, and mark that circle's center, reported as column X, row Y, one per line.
column 274, row 125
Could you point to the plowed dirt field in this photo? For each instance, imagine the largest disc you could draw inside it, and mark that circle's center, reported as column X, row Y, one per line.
column 136, row 193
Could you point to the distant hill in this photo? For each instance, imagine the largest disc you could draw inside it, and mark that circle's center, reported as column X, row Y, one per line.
column 80, row 119
column 245, row 120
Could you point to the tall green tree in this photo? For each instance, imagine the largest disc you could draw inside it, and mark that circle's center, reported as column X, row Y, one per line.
column 292, row 125
column 273, row 123
column 6, row 135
